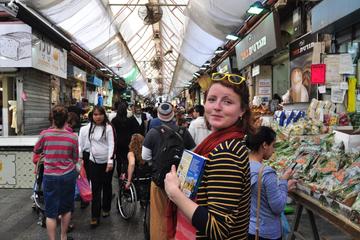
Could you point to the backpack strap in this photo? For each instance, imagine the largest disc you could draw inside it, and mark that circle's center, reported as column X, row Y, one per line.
column 179, row 133
column 259, row 184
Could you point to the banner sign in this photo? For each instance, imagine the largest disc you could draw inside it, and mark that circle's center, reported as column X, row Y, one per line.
column 48, row 58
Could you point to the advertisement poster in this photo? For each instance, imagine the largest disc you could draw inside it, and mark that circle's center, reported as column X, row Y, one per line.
column 15, row 45
column 300, row 69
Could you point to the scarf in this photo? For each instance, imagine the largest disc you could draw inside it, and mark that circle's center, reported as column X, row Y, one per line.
column 177, row 224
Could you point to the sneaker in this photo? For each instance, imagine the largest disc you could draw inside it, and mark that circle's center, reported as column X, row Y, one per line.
column 70, row 228
column 94, row 222
column 105, row 214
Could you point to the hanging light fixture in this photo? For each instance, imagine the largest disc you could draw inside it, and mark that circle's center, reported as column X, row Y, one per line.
column 256, row 8
column 219, row 50
column 232, row 37
column 207, row 63
column 203, row 67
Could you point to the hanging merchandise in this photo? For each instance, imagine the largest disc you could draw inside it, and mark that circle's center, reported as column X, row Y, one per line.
column 12, row 108
column 352, row 95
column 100, row 101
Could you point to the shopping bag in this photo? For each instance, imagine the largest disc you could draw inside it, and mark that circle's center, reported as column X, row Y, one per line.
column 84, row 188
column 284, row 225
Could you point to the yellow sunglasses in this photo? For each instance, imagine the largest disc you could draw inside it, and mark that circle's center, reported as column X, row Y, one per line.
column 233, row 78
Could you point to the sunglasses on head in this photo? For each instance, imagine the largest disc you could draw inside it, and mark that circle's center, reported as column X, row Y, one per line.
column 233, row 78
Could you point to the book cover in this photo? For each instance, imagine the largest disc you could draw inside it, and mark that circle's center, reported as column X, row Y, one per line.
column 190, row 172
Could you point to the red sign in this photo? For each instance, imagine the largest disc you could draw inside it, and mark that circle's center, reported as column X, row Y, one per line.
column 318, row 73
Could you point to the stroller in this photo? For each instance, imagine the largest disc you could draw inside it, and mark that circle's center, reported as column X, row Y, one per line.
column 38, row 194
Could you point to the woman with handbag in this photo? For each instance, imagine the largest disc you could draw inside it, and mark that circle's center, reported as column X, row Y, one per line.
column 221, row 208
column 100, row 142
column 268, row 193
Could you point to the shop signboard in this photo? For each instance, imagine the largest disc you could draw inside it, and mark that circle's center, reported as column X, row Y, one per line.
column 225, row 66
column 96, row 81
column 301, row 51
column 47, row 57
column 15, row 45
column 259, row 42
column 76, row 73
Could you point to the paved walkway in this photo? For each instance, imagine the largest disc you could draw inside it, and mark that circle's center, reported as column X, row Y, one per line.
column 19, row 221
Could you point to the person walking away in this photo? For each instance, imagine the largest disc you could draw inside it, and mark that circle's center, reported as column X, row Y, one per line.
column 124, row 129
column 221, row 208
column 101, row 142
column 198, row 129
column 150, row 150
column 113, row 112
column 273, row 191
column 138, row 166
column 60, row 149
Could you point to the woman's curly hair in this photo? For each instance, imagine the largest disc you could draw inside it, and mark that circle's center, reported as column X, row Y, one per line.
column 135, row 147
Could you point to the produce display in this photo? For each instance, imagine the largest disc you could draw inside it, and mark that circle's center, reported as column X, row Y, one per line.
column 303, row 127
column 323, row 169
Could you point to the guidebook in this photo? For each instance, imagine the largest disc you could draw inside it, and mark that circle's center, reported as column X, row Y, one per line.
column 190, row 171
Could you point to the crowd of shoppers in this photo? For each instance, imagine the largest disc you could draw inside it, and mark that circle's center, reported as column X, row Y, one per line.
column 238, row 197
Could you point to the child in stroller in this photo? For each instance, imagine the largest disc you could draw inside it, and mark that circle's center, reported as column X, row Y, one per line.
column 136, row 184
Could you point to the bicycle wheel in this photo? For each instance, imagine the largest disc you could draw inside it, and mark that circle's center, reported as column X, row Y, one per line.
column 127, row 201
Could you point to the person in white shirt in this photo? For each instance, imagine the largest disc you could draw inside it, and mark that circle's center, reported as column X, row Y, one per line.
column 198, row 128
column 98, row 137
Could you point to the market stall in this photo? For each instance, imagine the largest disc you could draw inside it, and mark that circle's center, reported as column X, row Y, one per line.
column 314, row 206
column 328, row 173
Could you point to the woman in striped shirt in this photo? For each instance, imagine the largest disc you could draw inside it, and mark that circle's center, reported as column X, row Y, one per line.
column 221, row 208
column 60, row 149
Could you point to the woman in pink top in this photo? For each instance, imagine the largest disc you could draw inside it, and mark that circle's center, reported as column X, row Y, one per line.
column 60, row 149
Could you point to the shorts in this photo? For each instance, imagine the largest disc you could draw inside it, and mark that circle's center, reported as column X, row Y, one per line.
column 59, row 194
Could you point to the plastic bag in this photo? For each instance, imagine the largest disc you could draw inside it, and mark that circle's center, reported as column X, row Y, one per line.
column 84, row 188
column 284, row 225
column 83, row 185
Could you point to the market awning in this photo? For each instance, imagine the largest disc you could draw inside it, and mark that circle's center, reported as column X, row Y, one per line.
column 155, row 45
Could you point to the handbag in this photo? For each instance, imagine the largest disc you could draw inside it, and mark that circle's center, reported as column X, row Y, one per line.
column 84, row 186
column 284, row 225
column 259, row 184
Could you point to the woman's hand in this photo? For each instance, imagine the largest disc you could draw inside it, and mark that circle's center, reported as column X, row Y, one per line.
column 128, row 184
column 109, row 167
column 172, row 183
column 292, row 184
column 287, row 174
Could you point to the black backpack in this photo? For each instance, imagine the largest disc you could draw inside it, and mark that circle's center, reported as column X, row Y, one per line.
column 169, row 153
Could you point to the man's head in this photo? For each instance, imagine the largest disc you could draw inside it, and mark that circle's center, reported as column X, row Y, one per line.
column 199, row 111
column 165, row 112
column 136, row 110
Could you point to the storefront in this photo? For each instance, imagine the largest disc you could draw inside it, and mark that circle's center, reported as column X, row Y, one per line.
column 30, row 67
column 78, row 79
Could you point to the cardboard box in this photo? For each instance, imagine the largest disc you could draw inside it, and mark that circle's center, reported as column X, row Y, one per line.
column 351, row 140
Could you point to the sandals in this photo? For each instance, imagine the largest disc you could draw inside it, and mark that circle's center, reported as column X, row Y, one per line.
column 94, row 222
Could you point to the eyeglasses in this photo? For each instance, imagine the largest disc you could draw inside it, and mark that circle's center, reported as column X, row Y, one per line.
column 233, row 78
